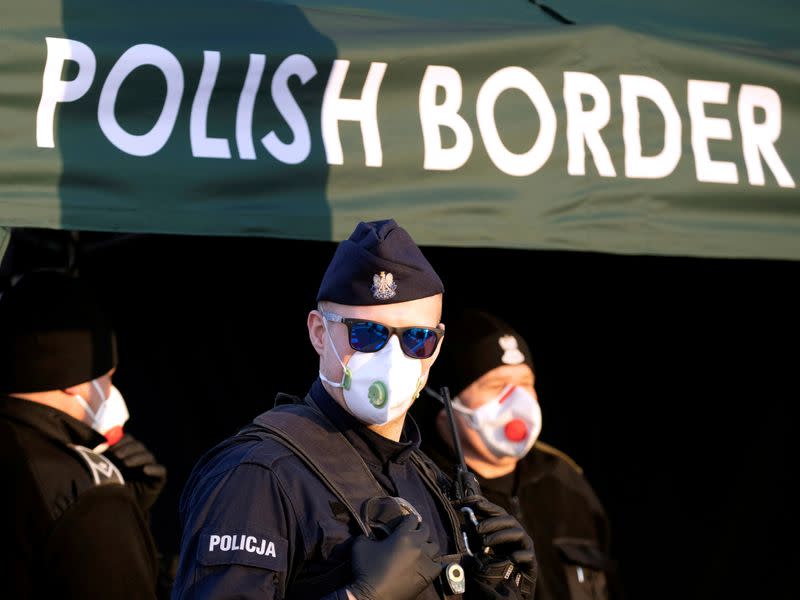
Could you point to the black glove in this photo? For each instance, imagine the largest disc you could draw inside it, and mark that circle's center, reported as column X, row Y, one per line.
column 508, row 568
column 398, row 567
column 142, row 473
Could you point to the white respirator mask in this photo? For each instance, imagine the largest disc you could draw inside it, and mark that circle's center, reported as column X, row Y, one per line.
column 111, row 416
column 378, row 387
column 509, row 424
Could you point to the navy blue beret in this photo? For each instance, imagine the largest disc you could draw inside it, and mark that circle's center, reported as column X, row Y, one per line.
column 378, row 264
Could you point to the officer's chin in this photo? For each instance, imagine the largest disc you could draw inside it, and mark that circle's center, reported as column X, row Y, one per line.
column 391, row 429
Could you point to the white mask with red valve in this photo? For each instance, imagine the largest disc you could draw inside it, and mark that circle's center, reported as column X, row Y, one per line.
column 109, row 418
column 509, row 424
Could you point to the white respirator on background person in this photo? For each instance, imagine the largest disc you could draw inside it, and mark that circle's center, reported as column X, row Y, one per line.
column 110, row 416
column 378, row 386
column 509, row 424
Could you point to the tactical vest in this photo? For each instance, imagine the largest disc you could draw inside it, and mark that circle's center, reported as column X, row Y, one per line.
column 303, row 428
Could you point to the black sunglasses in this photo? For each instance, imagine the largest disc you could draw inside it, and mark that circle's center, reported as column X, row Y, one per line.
column 371, row 336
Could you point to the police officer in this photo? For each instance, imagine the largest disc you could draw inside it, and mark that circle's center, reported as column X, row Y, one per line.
column 71, row 526
column 328, row 496
column 488, row 368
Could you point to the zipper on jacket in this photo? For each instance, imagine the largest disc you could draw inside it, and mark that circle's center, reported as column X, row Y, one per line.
column 448, row 507
column 516, row 508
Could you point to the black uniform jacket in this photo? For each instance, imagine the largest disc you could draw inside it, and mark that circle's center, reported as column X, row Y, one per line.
column 65, row 535
column 257, row 523
column 550, row 496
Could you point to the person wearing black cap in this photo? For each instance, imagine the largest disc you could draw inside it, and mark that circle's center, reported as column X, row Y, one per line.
column 328, row 496
column 488, row 368
column 73, row 527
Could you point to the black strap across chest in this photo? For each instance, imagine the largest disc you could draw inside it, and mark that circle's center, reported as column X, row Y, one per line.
column 310, row 435
column 305, row 430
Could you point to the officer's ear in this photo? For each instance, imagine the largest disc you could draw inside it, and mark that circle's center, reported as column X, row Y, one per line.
column 316, row 331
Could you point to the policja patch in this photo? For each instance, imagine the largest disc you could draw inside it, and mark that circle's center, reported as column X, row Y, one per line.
column 262, row 550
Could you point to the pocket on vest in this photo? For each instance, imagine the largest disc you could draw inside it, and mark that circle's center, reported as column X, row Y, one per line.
column 586, row 567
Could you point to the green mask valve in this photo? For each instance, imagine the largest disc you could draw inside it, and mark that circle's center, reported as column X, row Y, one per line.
column 377, row 394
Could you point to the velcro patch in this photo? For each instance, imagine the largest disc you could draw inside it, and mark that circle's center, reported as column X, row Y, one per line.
column 103, row 470
column 262, row 550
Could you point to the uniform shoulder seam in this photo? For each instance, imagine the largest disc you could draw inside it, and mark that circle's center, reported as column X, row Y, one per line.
column 289, row 455
column 250, row 457
column 553, row 451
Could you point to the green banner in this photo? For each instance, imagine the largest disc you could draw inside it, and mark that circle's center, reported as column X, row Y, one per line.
column 5, row 237
column 471, row 123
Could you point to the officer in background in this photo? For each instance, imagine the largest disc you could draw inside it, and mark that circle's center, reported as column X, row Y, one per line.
column 328, row 496
column 488, row 369
column 74, row 522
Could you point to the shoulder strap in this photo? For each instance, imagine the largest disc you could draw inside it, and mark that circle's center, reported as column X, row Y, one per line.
column 309, row 434
column 433, row 472
column 442, row 486
column 548, row 449
column 102, row 470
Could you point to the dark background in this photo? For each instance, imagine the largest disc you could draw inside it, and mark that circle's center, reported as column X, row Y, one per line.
column 672, row 381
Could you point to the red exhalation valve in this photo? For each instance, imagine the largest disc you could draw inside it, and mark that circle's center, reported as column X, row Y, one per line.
column 516, row 430
column 114, row 435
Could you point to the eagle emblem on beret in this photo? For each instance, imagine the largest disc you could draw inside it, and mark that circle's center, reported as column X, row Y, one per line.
column 511, row 352
column 383, row 286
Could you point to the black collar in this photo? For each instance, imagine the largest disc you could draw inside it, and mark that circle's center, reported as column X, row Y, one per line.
column 48, row 421
column 373, row 447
